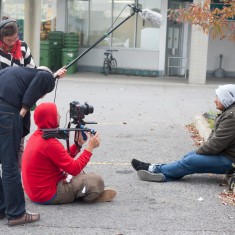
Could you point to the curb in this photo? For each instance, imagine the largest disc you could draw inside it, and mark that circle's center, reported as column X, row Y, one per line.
column 202, row 126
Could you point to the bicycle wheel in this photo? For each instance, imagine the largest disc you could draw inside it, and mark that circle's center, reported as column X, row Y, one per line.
column 113, row 64
column 106, row 67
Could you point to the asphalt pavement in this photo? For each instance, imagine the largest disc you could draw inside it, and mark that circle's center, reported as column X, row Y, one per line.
column 143, row 118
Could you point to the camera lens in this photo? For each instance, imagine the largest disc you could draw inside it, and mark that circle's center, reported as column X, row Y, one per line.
column 89, row 109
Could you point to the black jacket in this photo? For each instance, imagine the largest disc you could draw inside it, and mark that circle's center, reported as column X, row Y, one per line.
column 24, row 86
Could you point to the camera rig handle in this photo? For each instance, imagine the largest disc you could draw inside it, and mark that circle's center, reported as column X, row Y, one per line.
column 51, row 133
column 64, row 133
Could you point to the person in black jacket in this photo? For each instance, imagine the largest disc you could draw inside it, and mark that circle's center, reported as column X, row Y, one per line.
column 20, row 88
column 216, row 155
column 15, row 52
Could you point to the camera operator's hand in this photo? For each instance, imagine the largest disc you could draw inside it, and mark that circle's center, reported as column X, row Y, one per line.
column 60, row 73
column 94, row 142
column 80, row 140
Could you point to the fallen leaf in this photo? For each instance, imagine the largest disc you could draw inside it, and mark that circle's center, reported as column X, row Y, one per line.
column 198, row 140
column 227, row 197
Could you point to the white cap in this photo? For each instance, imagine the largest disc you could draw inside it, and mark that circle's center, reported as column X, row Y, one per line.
column 226, row 94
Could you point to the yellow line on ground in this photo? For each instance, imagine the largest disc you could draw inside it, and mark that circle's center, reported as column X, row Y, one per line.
column 121, row 123
column 109, row 163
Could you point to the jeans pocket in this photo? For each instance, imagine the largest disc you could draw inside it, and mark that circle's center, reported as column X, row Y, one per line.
column 6, row 122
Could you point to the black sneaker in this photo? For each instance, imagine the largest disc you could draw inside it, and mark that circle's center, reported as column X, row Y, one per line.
column 230, row 172
column 138, row 165
column 232, row 183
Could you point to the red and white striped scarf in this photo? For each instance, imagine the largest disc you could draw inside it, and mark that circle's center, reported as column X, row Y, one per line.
column 14, row 50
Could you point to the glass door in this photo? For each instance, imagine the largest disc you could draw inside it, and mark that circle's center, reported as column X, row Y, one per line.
column 176, row 62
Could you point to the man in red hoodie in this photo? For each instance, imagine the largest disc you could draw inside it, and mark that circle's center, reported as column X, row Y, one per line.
column 46, row 165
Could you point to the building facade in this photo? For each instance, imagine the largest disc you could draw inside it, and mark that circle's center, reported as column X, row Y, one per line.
column 169, row 49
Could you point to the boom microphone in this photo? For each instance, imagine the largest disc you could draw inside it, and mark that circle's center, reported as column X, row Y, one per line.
column 146, row 14
column 151, row 16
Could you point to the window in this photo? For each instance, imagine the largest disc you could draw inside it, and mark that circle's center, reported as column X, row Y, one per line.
column 78, row 20
column 92, row 19
column 124, row 36
column 148, row 35
column 48, row 18
column 100, row 19
column 14, row 9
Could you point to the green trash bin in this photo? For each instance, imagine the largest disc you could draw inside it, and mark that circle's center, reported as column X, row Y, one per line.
column 45, row 54
column 68, row 55
column 56, row 44
column 71, row 44
column 71, row 40
column 56, row 35
column 55, row 58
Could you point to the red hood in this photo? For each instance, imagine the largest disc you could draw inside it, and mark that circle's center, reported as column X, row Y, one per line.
column 45, row 116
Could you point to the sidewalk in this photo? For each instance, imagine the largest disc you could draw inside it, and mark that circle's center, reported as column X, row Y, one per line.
column 202, row 126
column 138, row 79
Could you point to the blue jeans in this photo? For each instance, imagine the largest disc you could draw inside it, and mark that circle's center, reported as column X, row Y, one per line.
column 12, row 200
column 193, row 163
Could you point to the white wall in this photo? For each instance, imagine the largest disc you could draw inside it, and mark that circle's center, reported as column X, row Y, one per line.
column 126, row 58
column 217, row 47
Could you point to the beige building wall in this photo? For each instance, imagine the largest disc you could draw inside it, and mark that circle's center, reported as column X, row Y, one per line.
column 198, row 55
column 32, row 19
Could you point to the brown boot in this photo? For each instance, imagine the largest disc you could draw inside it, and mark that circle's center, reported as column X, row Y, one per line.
column 106, row 196
column 26, row 218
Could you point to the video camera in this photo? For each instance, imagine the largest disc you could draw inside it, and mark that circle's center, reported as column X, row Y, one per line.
column 77, row 114
column 77, row 111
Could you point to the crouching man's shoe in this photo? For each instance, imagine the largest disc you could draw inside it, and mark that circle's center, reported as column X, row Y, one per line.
column 138, row 165
column 149, row 176
column 106, row 196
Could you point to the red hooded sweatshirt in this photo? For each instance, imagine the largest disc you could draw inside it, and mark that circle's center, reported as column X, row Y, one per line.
column 45, row 161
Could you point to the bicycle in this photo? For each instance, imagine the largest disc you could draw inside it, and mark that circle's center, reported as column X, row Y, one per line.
column 110, row 63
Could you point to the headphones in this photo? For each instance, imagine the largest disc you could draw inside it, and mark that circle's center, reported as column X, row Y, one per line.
column 4, row 22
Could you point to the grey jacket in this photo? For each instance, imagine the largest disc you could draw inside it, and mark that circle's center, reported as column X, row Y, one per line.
column 222, row 138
